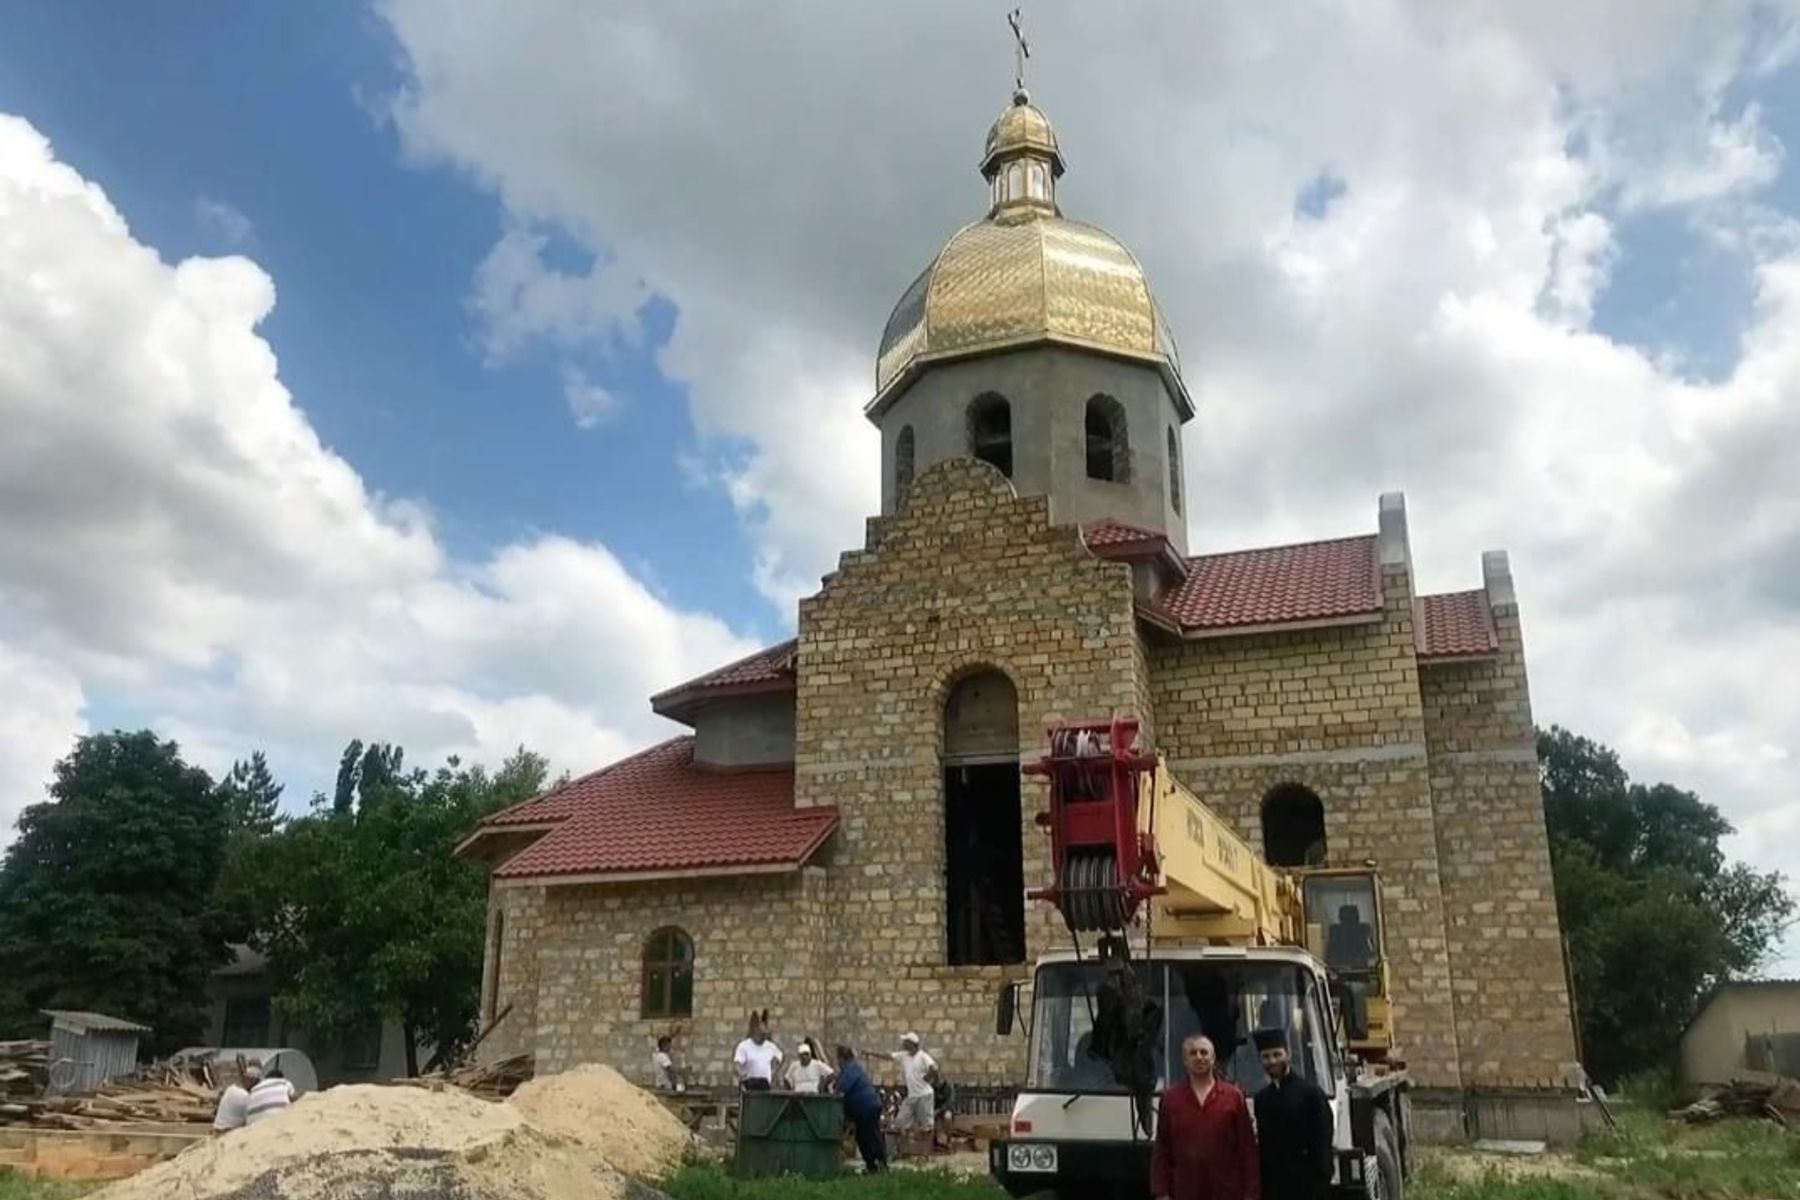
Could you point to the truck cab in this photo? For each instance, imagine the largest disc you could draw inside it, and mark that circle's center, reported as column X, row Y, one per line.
column 1073, row 1130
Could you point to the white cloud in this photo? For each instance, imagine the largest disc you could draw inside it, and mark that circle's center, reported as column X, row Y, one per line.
column 39, row 720
column 174, row 536
column 1432, row 330
column 224, row 220
column 590, row 404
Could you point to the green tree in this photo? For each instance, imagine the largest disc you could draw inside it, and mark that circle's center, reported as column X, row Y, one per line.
column 251, row 800
column 368, row 914
column 1654, row 914
column 106, row 897
column 251, row 797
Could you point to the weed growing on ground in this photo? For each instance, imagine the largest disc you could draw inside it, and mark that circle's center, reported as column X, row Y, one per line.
column 712, row 1182
column 14, row 1186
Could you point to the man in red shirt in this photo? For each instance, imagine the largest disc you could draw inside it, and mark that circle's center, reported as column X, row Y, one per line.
column 1205, row 1148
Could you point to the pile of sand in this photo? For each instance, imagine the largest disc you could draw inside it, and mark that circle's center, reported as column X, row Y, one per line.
column 386, row 1143
column 597, row 1106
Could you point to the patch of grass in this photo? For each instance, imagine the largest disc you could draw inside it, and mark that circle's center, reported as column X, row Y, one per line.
column 1646, row 1158
column 14, row 1186
column 709, row 1181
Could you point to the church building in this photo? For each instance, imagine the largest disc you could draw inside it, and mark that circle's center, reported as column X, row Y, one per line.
column 845, row 836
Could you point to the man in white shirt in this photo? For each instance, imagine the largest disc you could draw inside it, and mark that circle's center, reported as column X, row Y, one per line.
column 918, row 1113
column 271, row 1095
column 756, row 1059
column 809, row 1074
column 235, row 1100
column 662, row 1065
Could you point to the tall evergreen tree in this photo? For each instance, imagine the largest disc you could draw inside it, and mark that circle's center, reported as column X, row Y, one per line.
column 251, row 797
column 107, row 895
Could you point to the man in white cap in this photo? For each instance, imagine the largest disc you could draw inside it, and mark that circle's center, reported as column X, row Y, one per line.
column 918, row 1111
column 808, row 1074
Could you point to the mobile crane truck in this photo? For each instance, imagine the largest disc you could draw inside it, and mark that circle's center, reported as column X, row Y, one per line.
column 1225, row 945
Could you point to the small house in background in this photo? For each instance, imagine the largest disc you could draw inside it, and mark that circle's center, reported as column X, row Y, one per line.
column 241, row 1012
column 89, row 1048
column 1749, row 1025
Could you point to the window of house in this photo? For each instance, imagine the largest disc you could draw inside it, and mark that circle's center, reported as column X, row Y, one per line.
column 668, row 974
column 496, row 940
column 990, row 431
column 1293, row 823
column 362, row 1049
column 903, row 462
column 1108, row 456
column 246, row 1022
column 1174, row 470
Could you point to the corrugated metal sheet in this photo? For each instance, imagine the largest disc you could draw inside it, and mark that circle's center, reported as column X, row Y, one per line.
column 79, row 1019
column 81, row 1060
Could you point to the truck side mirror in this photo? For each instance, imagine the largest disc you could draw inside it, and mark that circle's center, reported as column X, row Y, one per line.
column 1353, row 1007
column 1006, row 1009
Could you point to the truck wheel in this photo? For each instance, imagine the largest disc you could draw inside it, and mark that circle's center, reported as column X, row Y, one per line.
column 1388, row 1182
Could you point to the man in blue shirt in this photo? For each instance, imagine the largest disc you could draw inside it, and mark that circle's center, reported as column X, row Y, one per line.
column 862, row 1104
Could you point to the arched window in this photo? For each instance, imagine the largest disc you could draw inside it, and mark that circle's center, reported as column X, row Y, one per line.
column 990, row 431
column 984, row 863
column 1108, row 453
column 496, row 942
column 1293, row 823
column 903, row 462
column 1174, row 470
column 1015, row 182
column 1038, row 189
column 668, row 974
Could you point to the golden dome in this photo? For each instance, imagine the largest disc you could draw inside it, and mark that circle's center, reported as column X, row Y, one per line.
column 1024, row 275
column 1022, row 125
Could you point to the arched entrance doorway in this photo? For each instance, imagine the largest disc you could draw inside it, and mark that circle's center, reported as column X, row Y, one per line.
column 984, row 870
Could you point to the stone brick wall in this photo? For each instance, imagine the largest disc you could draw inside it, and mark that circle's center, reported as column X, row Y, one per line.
column 576, row 969
column 1337, row 710
column 1512, row 1001
column 966, row 576
column 520, row 912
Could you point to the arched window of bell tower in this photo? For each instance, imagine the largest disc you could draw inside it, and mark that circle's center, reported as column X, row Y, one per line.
column 990, row 431
column 1108, row 448
column 903, row 462
column 1174, row 471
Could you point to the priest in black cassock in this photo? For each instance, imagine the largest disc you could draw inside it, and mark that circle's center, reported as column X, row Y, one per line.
column 1293, row 1126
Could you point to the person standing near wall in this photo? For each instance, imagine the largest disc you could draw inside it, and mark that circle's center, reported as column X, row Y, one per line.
column 808, row 1074
column 757, row 1057
column 918, row 1111
column 862, row 1105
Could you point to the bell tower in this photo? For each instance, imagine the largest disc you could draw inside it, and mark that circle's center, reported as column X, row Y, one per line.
column 1033, row 342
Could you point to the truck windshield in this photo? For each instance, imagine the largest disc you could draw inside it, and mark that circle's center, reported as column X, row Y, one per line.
column 1226, row 1000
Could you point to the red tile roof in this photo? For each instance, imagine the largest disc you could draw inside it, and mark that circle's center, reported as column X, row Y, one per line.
column 1456, row 625
column 1108, row 532
column 1114, row 539
column 1278, row 585
column 770, row 670
column 656, row 812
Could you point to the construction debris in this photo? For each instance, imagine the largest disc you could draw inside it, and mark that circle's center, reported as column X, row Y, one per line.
column 491, row 1081
column 24, row 1068
column 1750, row 1094
column 159, row 1094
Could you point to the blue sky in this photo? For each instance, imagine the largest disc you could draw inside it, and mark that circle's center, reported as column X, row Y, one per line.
column 275, row 111
column 1537, row 266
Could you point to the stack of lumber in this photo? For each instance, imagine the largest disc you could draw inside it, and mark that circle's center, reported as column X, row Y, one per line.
column 491, row 1081
column 1751, row 1094
column 24, row 1068
column 159, row 1094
